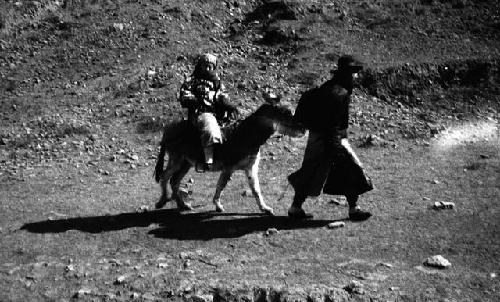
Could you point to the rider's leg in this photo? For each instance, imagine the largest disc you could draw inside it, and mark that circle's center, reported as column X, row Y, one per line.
column 211, row 135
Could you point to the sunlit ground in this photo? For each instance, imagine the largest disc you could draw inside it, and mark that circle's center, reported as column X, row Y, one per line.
column 486, row 131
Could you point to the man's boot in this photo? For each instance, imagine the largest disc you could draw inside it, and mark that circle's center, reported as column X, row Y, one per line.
column 355, row 212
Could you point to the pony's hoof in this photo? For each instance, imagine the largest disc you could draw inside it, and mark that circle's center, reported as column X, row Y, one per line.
column 268, row 211
column 184, row 207
column 160, row 204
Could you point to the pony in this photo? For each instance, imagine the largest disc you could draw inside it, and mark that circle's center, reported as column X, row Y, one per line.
column 240, row 150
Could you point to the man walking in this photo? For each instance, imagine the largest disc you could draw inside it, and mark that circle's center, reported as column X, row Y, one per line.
column 329, row 165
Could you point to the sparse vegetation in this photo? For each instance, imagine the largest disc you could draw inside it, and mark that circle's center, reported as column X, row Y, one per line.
column 87, row 85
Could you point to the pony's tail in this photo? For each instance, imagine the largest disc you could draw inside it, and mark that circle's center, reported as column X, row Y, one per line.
column 160, row 160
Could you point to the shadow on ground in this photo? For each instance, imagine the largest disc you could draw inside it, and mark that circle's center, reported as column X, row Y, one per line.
column 176, row 225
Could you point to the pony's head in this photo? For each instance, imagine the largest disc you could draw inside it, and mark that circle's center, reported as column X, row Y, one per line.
column 281, row 117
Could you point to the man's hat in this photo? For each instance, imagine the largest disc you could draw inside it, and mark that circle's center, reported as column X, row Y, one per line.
column 349, row 63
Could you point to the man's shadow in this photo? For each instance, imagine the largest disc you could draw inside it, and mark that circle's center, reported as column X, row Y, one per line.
column 176, row 225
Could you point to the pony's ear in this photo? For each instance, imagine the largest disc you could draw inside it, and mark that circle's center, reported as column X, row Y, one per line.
column 271, row 98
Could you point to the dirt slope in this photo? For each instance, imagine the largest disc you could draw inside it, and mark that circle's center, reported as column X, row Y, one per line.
column 86, row 86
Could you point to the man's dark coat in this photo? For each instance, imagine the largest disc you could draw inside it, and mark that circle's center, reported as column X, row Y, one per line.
column 329, row 163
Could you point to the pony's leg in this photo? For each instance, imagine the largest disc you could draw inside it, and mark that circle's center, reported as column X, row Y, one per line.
column 174, row 164
column 224, row 178
column 175, row 183
column 253, row 180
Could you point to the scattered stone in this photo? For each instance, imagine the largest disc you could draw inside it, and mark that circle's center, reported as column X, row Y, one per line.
column 271, row 231
column 148, row 297
column 184, row 255
column 162, row 265
column 339, row 201
column 443, row 205
column 135, row 296
column 103, row 172
column 247, row 193
column 373, row 140
column 385, row 264
column 493, row 275
column 202, row 298
column 82, row 292
column 437, row 261
column 120, row 279
column 118, row 26
column 355, row 287
column 336, row 225
column 142, row 209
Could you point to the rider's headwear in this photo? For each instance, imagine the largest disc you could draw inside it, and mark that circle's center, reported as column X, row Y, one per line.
column 207, row 58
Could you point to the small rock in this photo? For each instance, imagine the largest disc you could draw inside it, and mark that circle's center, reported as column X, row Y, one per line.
column 69, row 268
column 120, row 280
column 271, row 231
column 202, row 298
column 148, row 297
column 82, row 292
column 338, row 202
column 336, row 225
column 118, row 26
column 386, row 265
column 247, row 193
column 162, row 265
column 437, row 261
column 354, row 287
column 142, row 209
column 184, row 255
column 374, row 141
column 135, row 296
column 493, row 275
column 443, row 205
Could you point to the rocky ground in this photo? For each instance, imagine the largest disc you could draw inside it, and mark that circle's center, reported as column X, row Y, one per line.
column 86, row 87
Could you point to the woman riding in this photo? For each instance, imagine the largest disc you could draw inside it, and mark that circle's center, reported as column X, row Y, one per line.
column 203, row 95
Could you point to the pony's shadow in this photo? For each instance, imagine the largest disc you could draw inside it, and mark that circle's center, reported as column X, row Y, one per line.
column 176, row 225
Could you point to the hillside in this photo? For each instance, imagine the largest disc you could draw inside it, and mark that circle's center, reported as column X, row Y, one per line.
column 86, row 87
